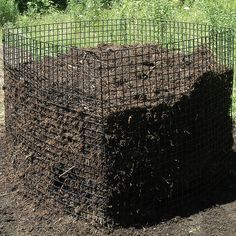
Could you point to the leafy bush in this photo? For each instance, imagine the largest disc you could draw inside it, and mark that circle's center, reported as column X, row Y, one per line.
column 39, row 6
column 8, row 11
column 24, row 5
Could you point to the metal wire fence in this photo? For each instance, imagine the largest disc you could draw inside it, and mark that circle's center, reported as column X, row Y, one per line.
column 119, row 120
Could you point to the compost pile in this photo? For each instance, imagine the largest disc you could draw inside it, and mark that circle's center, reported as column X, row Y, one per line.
column 119, row 132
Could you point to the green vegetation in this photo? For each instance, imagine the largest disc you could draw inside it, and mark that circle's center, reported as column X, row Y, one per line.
column 8, row 11
column 220, row 12
column 217, row 12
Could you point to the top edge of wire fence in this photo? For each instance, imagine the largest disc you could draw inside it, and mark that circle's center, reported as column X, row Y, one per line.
column 177, row 23
column 37, row 41
column 38, row 36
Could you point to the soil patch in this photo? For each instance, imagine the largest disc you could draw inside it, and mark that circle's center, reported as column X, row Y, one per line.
column 32, row 219
column 119, row 134
column 21, row 216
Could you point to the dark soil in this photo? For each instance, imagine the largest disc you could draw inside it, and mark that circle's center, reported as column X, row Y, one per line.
column 121, row 76
column 21, row 216
column 160, row 142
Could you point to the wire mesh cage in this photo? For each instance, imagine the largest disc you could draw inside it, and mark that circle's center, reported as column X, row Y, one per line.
column 117, row 121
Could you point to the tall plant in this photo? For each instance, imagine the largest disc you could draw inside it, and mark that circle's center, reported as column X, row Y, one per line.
column 8, row 11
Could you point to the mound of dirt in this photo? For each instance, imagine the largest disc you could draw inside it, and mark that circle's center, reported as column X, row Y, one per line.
column 120, row 134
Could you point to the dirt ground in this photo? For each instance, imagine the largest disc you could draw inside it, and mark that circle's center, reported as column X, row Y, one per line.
column 21, row 216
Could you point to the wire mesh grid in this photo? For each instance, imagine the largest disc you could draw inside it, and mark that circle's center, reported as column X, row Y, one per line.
column 119, row 120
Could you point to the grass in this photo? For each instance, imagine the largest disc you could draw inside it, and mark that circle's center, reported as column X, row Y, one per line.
column 217, row 12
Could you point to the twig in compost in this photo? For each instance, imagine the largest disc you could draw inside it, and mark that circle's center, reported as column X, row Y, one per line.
column 151, row 69
column 66, row 171
column 6, row 194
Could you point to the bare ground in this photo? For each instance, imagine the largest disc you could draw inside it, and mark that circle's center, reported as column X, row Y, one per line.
column 21, row 216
